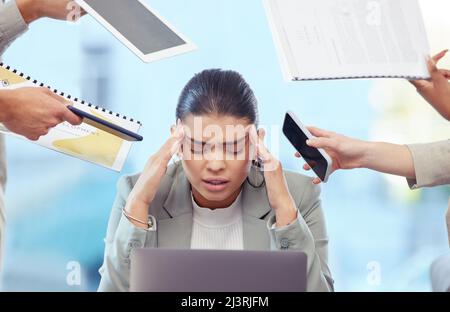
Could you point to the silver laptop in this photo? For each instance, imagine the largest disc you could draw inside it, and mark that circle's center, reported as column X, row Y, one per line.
column 190, row 270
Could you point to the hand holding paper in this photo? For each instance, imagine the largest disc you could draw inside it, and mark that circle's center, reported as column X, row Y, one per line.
column 436, row 90
column 340, row 39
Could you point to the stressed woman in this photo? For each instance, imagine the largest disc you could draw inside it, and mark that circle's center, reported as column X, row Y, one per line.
column 227, row 191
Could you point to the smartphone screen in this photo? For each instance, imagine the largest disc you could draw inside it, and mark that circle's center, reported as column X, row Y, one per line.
column 311, row 155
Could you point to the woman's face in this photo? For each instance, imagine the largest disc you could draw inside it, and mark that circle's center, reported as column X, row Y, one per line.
column 216, row 157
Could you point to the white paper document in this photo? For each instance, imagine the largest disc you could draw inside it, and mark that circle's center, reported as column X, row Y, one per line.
column 338, row 39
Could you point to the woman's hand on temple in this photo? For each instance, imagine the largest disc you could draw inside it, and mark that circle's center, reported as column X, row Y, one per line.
column 147, row 185
column 278, row 193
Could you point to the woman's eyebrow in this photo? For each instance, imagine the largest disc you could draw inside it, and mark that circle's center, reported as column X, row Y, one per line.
column 193, row 141
column 236, row 142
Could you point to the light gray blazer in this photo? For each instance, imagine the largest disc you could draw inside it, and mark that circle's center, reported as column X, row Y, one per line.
column 172, row 210
column 11, row 26
column 432, row 166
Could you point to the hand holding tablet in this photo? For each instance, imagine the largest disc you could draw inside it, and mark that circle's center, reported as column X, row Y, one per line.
column 138, row 27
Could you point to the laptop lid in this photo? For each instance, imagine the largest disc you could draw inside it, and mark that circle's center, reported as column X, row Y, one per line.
column 189, row 270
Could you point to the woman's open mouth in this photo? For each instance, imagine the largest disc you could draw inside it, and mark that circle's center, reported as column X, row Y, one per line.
column 215, row 184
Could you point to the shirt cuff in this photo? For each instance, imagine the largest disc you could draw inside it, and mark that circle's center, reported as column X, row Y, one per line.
column 295, row 235
column 12, row 24
column 151, row 221
column 128, row 237
column 429, row 163
column 272, row 224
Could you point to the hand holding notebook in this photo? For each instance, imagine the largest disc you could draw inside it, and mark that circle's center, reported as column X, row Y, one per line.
column 32, row 112
column 106, row 143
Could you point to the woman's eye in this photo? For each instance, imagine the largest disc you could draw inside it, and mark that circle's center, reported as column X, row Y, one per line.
column 230, row 149
column 196, row 148
column 234, row 150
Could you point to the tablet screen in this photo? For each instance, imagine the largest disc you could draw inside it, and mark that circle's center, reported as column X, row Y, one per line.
column 136, row 23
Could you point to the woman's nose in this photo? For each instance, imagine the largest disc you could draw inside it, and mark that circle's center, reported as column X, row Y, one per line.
column 215, row 159
column 216, row 165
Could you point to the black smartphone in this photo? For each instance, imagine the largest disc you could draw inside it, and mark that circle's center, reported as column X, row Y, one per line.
column 298, row 134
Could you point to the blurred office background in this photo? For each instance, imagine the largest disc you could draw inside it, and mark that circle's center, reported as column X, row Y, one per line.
column 383, row 237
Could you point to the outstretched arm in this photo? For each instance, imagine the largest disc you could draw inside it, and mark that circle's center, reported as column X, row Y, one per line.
column 349, row 153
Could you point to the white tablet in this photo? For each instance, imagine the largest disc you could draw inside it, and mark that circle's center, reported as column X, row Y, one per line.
column 138, row 27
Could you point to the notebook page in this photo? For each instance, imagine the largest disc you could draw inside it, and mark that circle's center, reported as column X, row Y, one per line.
column 354, row 38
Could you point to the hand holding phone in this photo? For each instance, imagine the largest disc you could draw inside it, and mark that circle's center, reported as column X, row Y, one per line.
column 297, row 134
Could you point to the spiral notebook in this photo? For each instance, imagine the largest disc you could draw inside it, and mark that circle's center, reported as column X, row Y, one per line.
column 84, row 141
column 344, row 39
